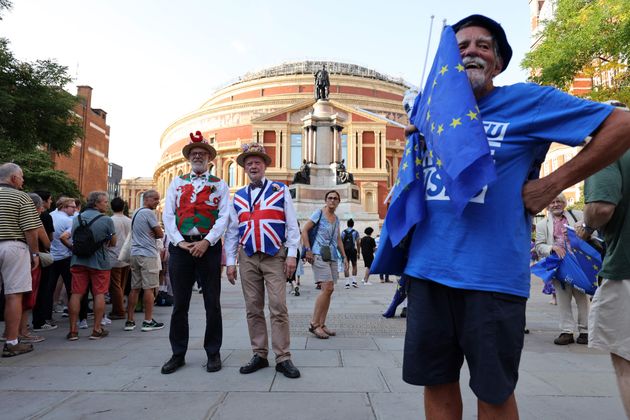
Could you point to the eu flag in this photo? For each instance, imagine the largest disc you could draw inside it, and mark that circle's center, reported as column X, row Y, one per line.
column 451, row 123
column 578, row 268
column 454, row 138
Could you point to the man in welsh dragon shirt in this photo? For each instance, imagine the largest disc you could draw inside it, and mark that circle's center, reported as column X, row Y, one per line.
column 195, row 217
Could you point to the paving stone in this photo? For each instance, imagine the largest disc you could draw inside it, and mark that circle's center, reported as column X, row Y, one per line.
column 22, row 405
column 295, row 405
column 138, row 405
column 351, row 379
column 341, row 343
column 368, row 358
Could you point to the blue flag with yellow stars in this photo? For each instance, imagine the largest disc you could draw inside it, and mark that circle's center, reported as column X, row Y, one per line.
column 454, row 140
column 451, row 123
column 578, row 268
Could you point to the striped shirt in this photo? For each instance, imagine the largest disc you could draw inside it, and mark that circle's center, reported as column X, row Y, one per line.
column 17, row 213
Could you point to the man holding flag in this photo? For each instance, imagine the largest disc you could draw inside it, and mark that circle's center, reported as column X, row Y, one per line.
column 462, row 199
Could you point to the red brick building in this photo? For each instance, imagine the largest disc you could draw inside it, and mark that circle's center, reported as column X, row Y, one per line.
column 88, row 161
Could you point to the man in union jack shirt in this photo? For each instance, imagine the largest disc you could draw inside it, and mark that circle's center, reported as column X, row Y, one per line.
column 263, row 225
column 196, row 214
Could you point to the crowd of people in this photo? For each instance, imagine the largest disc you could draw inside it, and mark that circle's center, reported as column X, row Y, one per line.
column 456, row 265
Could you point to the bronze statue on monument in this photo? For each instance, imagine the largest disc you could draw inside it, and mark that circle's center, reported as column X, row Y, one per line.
column 322, row 84
column 303, row 176
column 343, row 176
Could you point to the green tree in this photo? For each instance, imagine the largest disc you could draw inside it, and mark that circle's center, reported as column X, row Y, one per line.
column 4, row 5
column 36, row 119
column 588, row 36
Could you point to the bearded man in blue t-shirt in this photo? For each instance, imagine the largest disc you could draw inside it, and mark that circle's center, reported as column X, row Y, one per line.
column 469, row 275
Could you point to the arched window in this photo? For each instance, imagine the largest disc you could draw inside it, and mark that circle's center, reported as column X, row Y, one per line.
column 232, row 175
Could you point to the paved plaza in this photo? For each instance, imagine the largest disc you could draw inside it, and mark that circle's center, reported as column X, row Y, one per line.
column 356, row 375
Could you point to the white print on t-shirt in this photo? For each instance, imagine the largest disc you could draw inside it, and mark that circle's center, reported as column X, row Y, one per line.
column 435, row 189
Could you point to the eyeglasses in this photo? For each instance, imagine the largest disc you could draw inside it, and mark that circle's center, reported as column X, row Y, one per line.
column 332, row 198
column 198, row 154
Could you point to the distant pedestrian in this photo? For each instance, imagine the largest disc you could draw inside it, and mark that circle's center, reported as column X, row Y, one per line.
column 145, row 263
column 91, row 269
column 120, row 270
column 18, row 252
column 350, row 239
column 368, row 246
column 323, row 254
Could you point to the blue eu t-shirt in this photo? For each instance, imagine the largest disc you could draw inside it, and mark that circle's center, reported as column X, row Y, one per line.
column 487, row 248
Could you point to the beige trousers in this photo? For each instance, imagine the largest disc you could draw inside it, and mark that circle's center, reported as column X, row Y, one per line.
column 258, row 272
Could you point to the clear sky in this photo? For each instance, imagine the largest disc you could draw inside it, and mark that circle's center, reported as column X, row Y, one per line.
column 152, row 61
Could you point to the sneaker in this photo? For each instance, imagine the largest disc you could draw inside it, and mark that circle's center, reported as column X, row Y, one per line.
column 97, row 335
column 72, row 336
column 347, row 285
column 58, row 309
column 90, row 313
column 564, row 339
column 83, row 325
column 297, row 291
column 45, row 327
column 355, row 285
column 65, row 313
column 152, row 325
column 367, row 283
column 11, row 350
column 31, row 338
column 130, row 325
column 51, row 322
column 105, row 320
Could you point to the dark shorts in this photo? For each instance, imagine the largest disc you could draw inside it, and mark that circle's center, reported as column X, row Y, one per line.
column 351, row 254
column 444, row 325
column 367, row 259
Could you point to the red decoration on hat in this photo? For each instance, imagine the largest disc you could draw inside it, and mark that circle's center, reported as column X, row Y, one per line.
column 197, row 137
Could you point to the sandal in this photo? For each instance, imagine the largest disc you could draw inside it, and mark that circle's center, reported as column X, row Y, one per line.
column 314, row 330
column 329, row 332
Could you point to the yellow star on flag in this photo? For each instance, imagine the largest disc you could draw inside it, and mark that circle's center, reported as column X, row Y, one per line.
column 434, row 82
column 397, row 181
column 429, row 101
column 415, row 148
column 431, row 154
column 418, row 161
column 407, row 152
column 472, row 115
column 456, row 122
column 444, row 69
column 405, row 166
column 439, row 163
column 417, row 175
column 459, row 67
column 432, row 127
column 428, row 115
column 440, row 129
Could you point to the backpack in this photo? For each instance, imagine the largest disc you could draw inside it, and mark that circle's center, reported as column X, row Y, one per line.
column 83, row 243
column 347, row 237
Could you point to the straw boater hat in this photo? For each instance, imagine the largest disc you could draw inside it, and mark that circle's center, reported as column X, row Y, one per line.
column 197, row 140
column 253, row 149
column 495, row 29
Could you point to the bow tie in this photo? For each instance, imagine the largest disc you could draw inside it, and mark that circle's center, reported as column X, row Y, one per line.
column 254, row 185
column 195, row 176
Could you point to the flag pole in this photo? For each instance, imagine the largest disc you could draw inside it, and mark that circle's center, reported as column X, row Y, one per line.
column 426, row 55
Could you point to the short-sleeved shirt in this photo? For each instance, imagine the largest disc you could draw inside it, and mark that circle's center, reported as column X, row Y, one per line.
column 62, row 223
column 17, row 213
column 142, row 242
column 473, row 251
column 612, row 185
column 102, row 229
column 368, row 245
column 326, row 234
column 122, row 226
column 47, row 221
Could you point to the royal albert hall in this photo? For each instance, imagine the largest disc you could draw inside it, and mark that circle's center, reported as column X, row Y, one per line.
column 267, row 106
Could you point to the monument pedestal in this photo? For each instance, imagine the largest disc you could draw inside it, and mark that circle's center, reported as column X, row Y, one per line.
column 323, row 151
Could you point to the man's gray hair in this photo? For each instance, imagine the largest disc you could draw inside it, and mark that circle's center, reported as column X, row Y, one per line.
column 7, row 170
column 37, row 200
column 151, row 193
column 93, row 198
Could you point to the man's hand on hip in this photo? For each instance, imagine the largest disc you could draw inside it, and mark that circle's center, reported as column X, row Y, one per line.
column 199, row 248
column 289, row 266
column 231, row 273
column 537, row 194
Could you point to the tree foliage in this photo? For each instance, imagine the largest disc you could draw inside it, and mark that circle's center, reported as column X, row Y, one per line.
column 4, row 5
column 587, row 36
column 36, row 119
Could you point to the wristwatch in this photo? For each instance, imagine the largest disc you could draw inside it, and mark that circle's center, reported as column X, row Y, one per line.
column 587, row 228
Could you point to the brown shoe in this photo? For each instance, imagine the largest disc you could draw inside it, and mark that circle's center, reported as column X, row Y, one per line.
column 582, row 338
column 97, row 335
column 564, row 339
column 11, row 350
column 72, row 336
